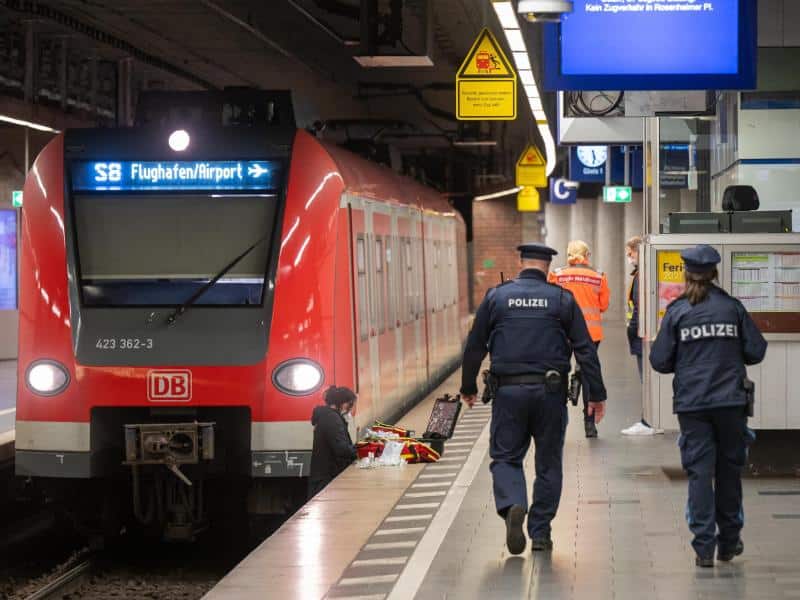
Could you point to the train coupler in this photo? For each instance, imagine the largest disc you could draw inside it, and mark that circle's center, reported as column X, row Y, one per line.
column 169, row 444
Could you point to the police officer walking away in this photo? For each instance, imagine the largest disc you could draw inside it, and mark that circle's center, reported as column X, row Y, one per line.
column 706, row 339
column 531, row 328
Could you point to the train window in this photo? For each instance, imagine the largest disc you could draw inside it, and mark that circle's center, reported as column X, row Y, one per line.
column 408, row 314
column 160, row 249
column 391, row 273
column 380, row 287
column 361, row 270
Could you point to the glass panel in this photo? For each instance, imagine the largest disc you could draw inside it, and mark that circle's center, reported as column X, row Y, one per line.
column 157, row 250
column 363, row 308
column 380, row 286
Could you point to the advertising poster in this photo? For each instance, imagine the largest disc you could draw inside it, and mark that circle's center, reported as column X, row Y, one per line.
column 670, row 279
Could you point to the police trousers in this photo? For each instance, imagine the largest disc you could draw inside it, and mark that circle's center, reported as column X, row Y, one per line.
column 586, row 393
column 713, row 453
column 519, row 413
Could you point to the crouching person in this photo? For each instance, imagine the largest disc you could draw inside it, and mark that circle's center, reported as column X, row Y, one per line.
column 333, row 449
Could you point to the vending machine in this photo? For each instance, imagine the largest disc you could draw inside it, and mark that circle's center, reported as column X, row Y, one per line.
column 763, row 271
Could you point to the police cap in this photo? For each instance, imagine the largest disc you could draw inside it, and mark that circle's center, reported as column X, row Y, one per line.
column 700, row 258
column 536, row 251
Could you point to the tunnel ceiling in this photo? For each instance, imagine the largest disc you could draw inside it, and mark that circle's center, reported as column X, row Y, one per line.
column 307, row 46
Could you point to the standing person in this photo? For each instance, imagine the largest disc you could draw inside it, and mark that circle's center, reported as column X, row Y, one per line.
column 641, row 427
column 590, row 288
column 333, row 449
column 706, row 339
column 531, row 328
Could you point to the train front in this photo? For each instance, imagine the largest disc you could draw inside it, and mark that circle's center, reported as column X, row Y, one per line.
column 147, row 281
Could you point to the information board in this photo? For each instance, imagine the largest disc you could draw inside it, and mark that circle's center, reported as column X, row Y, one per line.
column 8, row 259
column 175, row 175
column 653, row 45
column 767, row 281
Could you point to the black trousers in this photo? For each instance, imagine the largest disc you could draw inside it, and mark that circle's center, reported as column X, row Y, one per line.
column 586, row 395
column 713, row 452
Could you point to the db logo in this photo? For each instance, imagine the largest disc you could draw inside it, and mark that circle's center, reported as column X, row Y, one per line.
column 166, row 386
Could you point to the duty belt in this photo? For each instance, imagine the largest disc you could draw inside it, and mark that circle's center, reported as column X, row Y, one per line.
column 528, row 378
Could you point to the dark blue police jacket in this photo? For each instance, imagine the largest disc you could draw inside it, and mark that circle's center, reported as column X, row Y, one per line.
column 530, row 326
column 707, row 347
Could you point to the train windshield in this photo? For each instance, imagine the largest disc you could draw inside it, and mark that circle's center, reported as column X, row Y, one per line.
column 160, row 249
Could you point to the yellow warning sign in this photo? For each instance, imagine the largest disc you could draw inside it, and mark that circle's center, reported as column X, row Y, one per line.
column 531, row 168
column 486, row 83
column 528, row 200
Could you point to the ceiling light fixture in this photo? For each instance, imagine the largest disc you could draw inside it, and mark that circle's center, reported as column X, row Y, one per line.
column 466, row 143
column 508, row 21
column 522, row 61
column 507, row 192
column 29, row 124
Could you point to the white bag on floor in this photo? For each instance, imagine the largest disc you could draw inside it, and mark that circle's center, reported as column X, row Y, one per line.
column 391, row 455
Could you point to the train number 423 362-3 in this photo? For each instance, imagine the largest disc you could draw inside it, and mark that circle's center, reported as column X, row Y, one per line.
column 124, row 344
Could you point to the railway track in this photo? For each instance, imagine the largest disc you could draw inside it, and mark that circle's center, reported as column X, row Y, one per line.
column 64, row 583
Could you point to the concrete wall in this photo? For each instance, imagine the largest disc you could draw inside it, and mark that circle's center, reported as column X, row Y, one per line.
column 605, row 227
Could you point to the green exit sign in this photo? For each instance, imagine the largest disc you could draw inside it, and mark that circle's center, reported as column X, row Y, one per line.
column 617, row 193
column 16, row 198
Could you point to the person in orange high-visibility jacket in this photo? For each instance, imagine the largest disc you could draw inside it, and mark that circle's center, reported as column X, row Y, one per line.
column 590, row 288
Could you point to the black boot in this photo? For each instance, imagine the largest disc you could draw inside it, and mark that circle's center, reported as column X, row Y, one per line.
column 727, row 554
column 515, row 536
column 706, row 562
column 541, row 544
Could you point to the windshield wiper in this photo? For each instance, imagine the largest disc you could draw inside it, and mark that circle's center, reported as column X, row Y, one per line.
column 184, row 307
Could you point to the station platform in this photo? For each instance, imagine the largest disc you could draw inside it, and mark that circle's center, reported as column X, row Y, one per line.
column 8, row 408
column 431, row 532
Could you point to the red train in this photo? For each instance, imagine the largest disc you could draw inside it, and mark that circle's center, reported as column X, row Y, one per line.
column 188, row 290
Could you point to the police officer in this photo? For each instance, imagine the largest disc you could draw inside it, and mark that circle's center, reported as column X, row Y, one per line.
column 531, row 328
column 706, row 339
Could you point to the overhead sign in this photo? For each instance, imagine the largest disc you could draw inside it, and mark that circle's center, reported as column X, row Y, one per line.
column 528, row 200
column 618, row 194
column 531, row 168
column 563, row 191
column 175, row 175
column 16, row 198
column 667, row 45
column 486, row 83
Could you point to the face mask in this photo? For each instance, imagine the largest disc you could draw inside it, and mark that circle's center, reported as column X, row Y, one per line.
column 632, row 261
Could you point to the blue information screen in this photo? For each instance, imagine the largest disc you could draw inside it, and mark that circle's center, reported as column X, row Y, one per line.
column 653, row 44
column 175, row 175
column 645, row 37
column 8, row 259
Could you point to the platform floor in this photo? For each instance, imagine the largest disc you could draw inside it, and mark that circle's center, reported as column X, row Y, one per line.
column 619, row 533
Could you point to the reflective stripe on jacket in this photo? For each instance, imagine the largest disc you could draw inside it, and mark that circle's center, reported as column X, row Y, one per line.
column 590, row 289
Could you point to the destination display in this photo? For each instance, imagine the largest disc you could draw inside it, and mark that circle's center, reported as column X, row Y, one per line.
column 175, row 175
column 653, row 44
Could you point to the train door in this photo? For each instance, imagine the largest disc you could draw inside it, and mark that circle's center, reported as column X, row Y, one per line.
column 417, row 283
column 432, row 292
column 366, row 333
column 386, row 371
column 393, row 307
column 411, row 350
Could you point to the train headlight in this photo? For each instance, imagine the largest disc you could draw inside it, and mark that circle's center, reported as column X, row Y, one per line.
column 179, row 140
column 298, row 377
column 47, row 378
